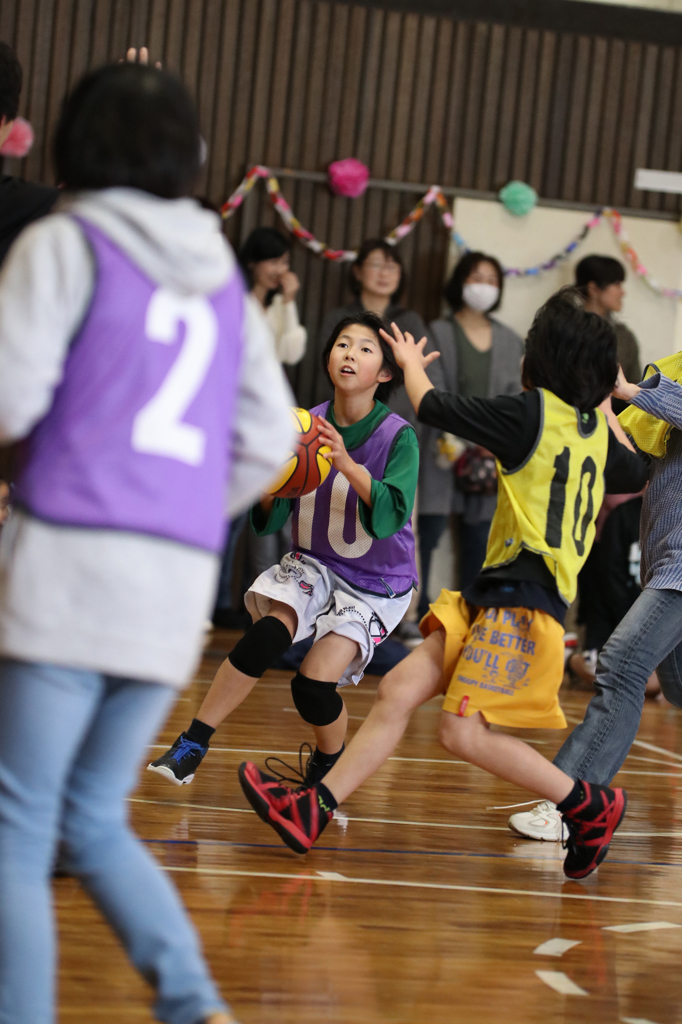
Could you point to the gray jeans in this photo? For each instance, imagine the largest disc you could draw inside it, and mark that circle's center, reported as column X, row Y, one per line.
column 648, row 638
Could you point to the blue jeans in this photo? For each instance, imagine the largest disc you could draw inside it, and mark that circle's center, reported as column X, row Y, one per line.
column 72, row 741
column 648, row 638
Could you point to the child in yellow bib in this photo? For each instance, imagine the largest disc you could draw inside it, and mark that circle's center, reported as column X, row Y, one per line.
column 497, row 648
column 508, row 661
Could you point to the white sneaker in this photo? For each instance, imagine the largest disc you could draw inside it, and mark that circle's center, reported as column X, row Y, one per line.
column 544, row 823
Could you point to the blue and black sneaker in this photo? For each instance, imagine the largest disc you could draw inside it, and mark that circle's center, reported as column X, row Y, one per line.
column 180, row 762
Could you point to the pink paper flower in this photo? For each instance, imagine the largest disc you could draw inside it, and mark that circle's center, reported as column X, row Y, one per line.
column 19, row 140
column 348, row 177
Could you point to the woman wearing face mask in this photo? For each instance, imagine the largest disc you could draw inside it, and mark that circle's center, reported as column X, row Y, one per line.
column 480, row 358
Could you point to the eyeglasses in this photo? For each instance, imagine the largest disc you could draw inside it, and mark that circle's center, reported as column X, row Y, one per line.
column 390, row 265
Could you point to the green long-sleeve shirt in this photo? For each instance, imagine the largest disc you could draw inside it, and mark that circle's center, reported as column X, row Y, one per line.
column 392, row 496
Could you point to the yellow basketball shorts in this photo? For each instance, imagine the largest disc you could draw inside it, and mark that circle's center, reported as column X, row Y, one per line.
column 507, row 663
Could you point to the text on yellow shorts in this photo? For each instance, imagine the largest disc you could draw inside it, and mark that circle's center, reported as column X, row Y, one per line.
column 507, row 663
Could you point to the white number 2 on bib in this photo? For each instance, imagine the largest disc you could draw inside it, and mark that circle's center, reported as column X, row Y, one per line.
column 158, row 428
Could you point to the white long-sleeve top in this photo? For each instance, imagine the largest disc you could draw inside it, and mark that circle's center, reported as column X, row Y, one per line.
column 290, row 337
column 121, row 603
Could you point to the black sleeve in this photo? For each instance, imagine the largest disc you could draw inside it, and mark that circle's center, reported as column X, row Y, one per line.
column 625, row 472
column 507, row 425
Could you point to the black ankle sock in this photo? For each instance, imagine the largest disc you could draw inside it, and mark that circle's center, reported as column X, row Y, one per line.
column 326, row 797
column 199, row 732
column 326, row 760
column 575, row 797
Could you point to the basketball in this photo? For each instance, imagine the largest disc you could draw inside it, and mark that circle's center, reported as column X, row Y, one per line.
column 306, row 468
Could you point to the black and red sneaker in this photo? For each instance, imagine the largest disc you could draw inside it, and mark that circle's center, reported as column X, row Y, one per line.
column 298, row 817
column 591, row 824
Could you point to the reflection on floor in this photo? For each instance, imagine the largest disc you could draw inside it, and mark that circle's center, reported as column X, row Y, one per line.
column 418, row 906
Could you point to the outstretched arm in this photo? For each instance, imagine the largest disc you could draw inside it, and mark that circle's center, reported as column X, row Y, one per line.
column 409, row 355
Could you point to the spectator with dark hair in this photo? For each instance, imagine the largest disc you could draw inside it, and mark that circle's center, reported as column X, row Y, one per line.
column 600, row 279
column 21, row 202
column 479, row 358
column 377, row 281
column 264, row 258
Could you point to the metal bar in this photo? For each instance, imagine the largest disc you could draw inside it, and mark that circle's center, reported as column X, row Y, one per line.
column 420, row 187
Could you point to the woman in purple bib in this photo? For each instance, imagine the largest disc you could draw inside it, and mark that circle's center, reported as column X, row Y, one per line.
column 144, row 385
column 349, row 578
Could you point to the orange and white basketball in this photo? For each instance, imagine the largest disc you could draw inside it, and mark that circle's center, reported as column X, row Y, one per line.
column 306, row 468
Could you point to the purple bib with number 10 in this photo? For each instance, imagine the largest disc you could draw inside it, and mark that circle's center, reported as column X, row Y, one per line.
column 138, row 435
column 326, row 523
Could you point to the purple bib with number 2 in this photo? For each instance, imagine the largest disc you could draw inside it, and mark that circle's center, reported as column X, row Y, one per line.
column 138, row 436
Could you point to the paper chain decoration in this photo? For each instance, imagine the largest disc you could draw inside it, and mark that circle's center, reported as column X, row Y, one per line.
column 434, row 196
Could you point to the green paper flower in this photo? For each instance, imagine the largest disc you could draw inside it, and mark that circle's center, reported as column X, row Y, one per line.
column 518, row 198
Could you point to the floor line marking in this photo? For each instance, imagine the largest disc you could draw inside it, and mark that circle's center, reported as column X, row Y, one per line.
column 636, row 1020
column 391, row 821
column 641, row 926
column 561, row 983
column 436, row 886
column 650, row 760
column 660, row 775
column 556, row 947
column 637, row 743
column 331, row 876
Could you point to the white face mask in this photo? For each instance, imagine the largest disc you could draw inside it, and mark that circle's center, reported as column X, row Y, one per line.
column 480, row 296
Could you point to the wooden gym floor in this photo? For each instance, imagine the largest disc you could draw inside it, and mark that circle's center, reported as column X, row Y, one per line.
column 418, row 906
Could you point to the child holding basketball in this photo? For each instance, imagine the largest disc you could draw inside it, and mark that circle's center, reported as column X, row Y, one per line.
column 498, row 647
column 349, row 579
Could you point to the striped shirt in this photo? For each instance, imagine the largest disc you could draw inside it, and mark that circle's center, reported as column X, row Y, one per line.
column 661, row 523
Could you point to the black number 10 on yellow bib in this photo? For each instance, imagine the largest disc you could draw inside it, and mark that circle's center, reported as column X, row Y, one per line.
column 549, row 504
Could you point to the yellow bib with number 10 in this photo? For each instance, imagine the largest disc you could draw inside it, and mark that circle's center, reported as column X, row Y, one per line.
column 549, row 504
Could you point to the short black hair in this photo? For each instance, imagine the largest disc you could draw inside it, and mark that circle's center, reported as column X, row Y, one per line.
column 261, row 244
column 11, row 78
column 390, row 252
column 571, row 352
column 129, row 125
column 602, row 270
column 467, row 264
column 375, row 324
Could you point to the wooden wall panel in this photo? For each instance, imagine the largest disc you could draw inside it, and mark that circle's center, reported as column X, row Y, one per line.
column 413, row 90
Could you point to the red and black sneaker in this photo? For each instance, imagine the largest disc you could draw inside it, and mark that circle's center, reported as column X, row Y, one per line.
column 591, row 824
column 298, row 817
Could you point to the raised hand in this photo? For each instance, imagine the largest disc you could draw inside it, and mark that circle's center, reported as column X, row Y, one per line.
column 406, row 350
column 141, row 56
column 623, row 390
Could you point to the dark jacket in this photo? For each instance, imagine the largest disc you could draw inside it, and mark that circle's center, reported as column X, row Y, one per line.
column 437, row 492
column 21, row 202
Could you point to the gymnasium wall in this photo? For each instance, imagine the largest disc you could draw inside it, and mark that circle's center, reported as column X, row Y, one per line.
column 467, row 93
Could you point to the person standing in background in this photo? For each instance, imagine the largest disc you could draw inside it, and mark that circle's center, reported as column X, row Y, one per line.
column 21, row 202
column 265, row 262
column 600, row 279
column 479, row 358
column 378, row 281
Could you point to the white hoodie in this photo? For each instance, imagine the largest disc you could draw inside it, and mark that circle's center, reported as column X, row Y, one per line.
column 121, row 603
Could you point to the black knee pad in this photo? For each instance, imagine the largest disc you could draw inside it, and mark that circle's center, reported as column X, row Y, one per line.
column 317, row 703
column 260, row 647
